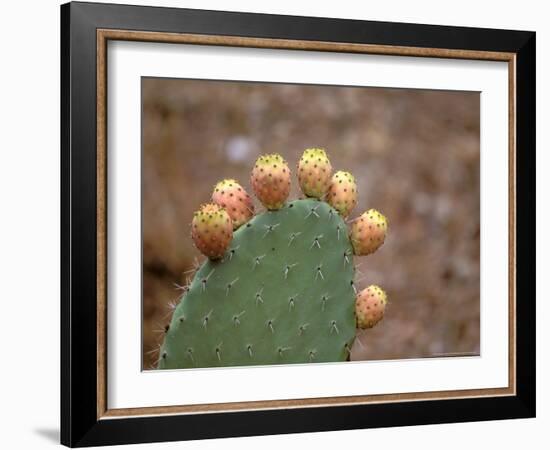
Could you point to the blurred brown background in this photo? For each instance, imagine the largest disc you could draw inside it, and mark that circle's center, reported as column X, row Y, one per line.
column 415, row 156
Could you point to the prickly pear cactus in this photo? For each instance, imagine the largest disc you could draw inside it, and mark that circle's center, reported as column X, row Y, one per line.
column 282, row 294
column 281, row 290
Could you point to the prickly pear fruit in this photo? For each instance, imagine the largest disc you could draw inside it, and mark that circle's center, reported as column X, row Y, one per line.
column 231, row 196
column 314, row 172
column 368, row 232
column 270, row 180
column 369, row 306
column 212, row 230
column 342, row 193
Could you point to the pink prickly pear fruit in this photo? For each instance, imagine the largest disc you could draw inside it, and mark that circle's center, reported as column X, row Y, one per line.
column 270, row 180
column 314, row 172
column 370, row 305
column 212, row 230
column 368, row 232
column 231, row 196
column 342, row 193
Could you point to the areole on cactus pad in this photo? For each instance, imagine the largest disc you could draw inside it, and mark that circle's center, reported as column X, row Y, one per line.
column 280, row 288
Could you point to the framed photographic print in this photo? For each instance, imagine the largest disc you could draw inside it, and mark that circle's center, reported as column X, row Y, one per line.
column 276, row 224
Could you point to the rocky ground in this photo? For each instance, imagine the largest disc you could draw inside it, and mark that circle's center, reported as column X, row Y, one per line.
column 415, row 155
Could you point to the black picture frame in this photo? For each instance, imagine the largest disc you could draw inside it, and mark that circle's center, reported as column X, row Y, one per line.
column 80, row 425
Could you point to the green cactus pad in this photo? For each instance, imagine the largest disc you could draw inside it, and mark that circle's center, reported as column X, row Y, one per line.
column 282, row 294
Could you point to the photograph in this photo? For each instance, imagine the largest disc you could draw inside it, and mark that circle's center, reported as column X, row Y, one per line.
column 302, row 224
column 277, row 223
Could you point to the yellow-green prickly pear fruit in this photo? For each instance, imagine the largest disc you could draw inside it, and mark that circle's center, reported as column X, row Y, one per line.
column 368, row 232
column 314, row 172
column 342, row 193
column 370, row 305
